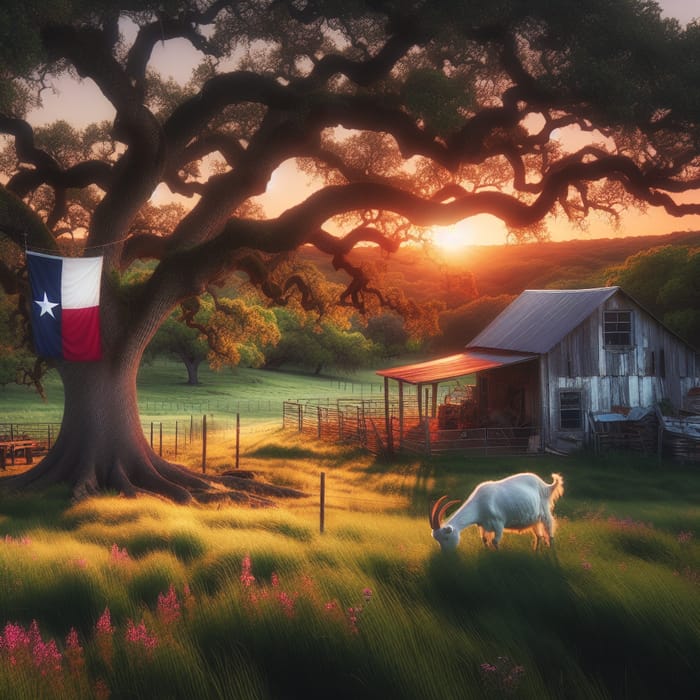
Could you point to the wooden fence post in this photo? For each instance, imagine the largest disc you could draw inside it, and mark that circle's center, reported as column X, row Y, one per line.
column 322, row 521
column 204, row 443
column 238, row 437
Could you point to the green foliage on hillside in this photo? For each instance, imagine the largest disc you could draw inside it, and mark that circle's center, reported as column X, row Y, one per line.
column 667, row 281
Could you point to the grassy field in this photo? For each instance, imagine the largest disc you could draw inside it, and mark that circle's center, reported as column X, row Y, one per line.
column 143, row 599
column 163, row 393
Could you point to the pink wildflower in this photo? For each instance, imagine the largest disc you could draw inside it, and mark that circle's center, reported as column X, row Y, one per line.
column 353, row 617
column 685, row 536
column 504, row 676
column 188, row 598
column 168, row 606
column 104, row 624
column 247, row 578
column 74, row 653
column 287, row 603
column 586, row 565
column 118, row 555
column 139, row 635
column 275, row 580
column 367, row 594
column 101, row 690
column 104, row 632
column 15, row 642
column 25, row 647
column 21, row 541
column 47, row 657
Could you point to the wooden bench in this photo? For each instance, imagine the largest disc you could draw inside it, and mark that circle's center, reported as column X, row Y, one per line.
column 13, row 447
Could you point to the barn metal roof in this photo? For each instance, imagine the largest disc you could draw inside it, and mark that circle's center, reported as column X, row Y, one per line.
column 532, row 325
column 538, row 319
column 453, row 366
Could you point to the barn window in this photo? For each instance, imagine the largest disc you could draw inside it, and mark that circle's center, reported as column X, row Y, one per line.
column 570, row 410
column 617, row 328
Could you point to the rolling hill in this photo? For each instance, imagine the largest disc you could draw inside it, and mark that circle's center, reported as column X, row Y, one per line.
column 507, row 269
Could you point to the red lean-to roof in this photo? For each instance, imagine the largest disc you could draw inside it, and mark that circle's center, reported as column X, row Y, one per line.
column 453, row 366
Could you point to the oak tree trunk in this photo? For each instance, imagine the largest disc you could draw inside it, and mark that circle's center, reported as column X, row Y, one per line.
column 192, row 366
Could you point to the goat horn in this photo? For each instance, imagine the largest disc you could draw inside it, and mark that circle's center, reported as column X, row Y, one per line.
column 438, row 511
column 443, row 510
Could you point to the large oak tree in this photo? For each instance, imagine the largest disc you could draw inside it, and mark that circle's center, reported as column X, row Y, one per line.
column 410, row 113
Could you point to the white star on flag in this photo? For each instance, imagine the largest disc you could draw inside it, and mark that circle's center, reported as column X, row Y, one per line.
column 46, row 306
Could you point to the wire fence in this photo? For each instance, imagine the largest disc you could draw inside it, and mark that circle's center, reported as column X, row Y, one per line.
column 268, row 406
column 171, row 437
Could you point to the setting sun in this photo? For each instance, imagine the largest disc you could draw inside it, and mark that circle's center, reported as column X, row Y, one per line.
column 454, row 238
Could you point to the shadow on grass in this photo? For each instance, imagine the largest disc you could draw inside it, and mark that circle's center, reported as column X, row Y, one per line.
column 45, row 508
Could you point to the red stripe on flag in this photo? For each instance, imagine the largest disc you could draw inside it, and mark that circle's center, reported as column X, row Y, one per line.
column 80, row 329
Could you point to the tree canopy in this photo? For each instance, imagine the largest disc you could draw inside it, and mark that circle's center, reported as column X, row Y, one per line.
column 666, row 280
column 407, row 114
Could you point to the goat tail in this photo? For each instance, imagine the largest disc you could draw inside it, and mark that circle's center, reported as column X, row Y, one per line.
column 557, row 487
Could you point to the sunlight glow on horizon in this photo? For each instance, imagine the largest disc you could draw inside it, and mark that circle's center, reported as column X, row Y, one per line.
column 455, row 238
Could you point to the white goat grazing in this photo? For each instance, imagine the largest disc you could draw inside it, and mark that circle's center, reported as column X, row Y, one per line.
column 517, row 503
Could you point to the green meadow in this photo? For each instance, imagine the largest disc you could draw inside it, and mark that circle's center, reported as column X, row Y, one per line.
column 119, row 598
column 163, row 393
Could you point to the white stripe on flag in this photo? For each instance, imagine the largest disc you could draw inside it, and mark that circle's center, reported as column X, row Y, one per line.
column 80, row 282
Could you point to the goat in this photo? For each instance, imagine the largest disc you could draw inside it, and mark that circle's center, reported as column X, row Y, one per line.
column 517, row 503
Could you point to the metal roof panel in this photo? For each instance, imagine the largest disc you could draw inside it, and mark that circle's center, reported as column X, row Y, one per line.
column 538, row 319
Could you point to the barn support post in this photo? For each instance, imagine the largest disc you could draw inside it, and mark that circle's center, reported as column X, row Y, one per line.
column 204, row 444
column 400, row 414
column 433, row 411
column 387, row 418
column 419, row 392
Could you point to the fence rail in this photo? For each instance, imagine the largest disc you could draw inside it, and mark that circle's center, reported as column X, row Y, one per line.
column 364, row 423
column 43, row 434
column 255, row 406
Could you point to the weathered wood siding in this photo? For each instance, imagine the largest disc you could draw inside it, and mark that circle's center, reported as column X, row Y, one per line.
column 656, row 365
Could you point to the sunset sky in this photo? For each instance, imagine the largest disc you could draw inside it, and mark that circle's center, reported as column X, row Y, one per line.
column 176, row 59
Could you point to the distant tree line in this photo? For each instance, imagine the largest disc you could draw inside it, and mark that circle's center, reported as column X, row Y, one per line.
column 235, row 327
column 666, row 280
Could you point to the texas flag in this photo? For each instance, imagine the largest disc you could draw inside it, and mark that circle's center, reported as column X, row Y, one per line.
column 65, row 306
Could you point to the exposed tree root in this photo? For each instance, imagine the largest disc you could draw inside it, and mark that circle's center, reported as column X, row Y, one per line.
column 142, row 472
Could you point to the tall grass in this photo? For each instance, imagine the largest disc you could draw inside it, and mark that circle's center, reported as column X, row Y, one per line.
column 232, row 602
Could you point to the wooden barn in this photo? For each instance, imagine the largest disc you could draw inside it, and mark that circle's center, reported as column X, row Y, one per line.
column 545, row 367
